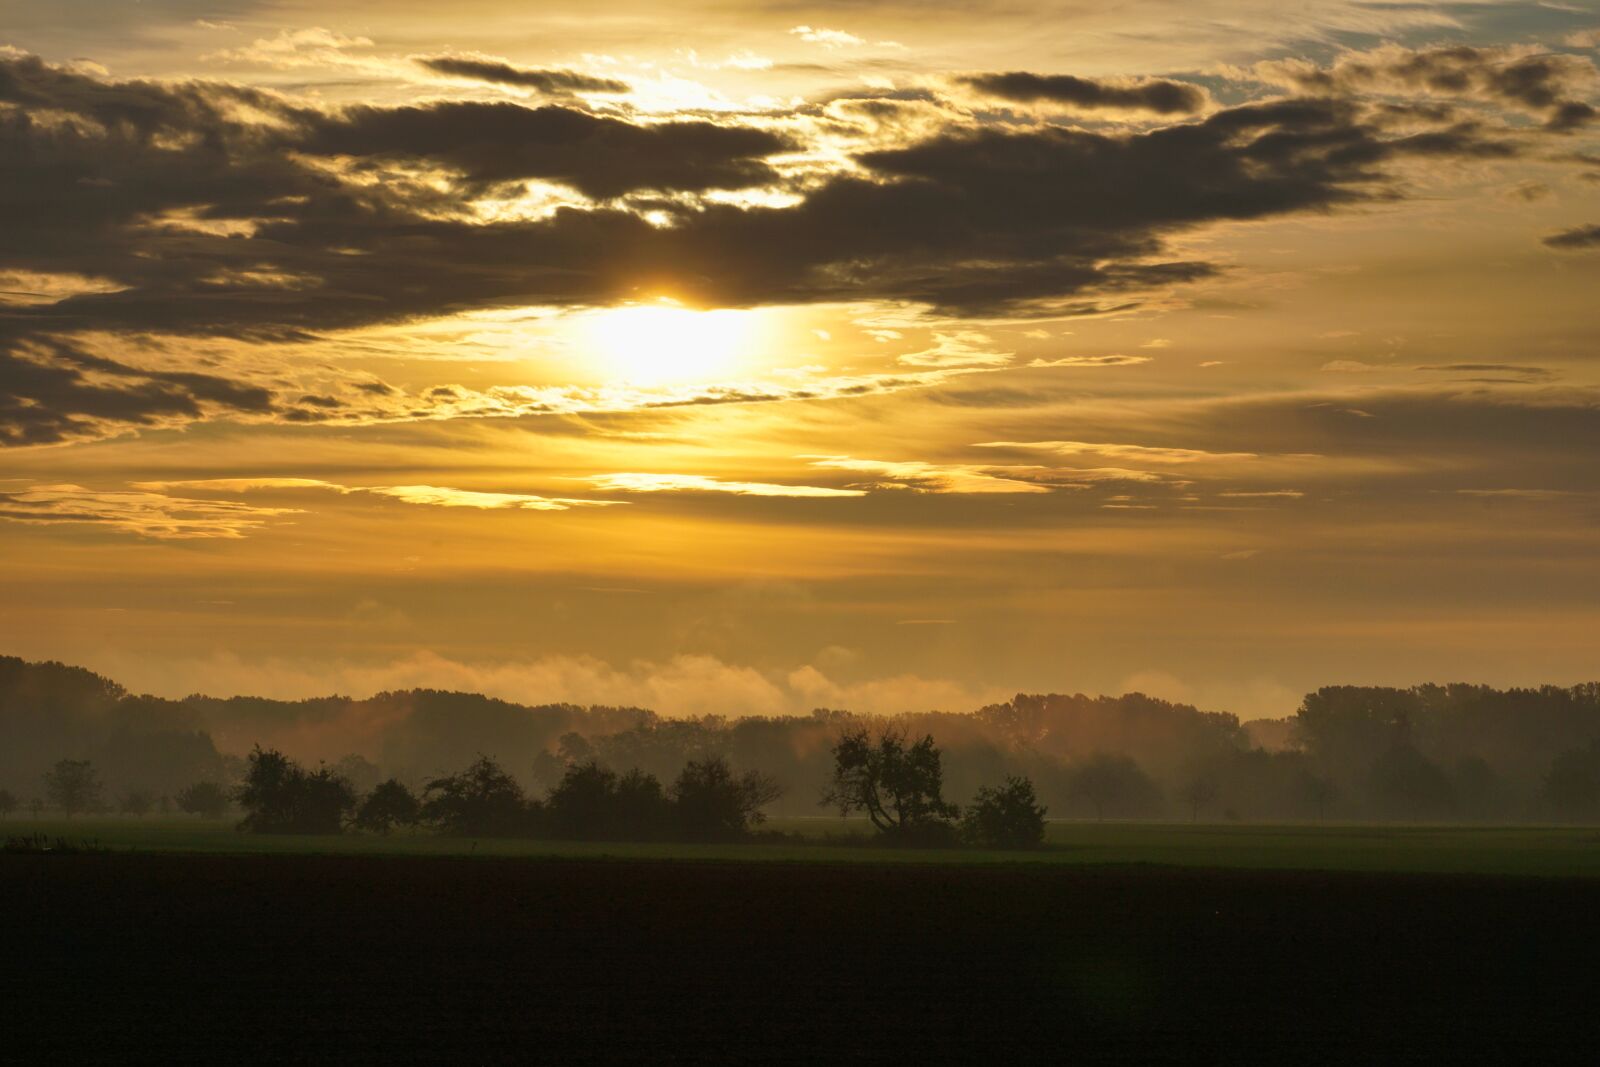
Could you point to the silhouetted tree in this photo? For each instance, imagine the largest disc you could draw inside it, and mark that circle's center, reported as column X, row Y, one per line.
column 35, row 807
column 8, row 803
column 281, row 797
column 73, row 786
column 1405, row 782
column 1198, row 793
column 1114, row 783
column 714, row 803
column 644, row 812
column 1476, row 786
column 897, row 785
column 481, row 801
column 583, row 805
column 388, row 805
column 1315, row 791
column 1006, row 817
column 1572, row 785
column 137, row 802
column 205, row 799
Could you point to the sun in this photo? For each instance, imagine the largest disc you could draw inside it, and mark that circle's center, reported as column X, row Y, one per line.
column 664, row 342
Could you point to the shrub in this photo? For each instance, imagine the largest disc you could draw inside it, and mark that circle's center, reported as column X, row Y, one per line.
column 1007, row 817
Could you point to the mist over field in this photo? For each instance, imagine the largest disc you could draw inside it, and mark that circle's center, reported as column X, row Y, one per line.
column 1433, row 753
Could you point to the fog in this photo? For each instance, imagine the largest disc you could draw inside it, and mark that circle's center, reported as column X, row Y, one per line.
column 1430, row 752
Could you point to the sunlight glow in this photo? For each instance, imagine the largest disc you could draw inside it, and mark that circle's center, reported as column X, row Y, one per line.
column 659, row 343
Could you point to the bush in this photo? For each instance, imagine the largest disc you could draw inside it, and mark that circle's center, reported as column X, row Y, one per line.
column 1007, row 817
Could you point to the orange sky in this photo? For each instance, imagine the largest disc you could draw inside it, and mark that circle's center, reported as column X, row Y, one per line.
column 751, row 358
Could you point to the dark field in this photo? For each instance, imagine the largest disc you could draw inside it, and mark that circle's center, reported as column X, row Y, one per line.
column 476, row 959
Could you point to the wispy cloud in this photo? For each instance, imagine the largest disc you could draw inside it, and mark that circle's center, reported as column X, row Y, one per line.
column 148, row 514
column 1142, row 453
column 699, row 483
column 1116, row 359
column 433, row 495
column 440, row 496
column 930, row 477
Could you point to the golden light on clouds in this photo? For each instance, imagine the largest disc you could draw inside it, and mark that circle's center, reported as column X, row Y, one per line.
column 1123, row 341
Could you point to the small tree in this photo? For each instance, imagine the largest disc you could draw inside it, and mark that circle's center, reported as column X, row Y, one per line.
column 1008, row 817
column 1316, row 791
column 1572, row 784
column 205, row 799
column 896, row 785
column 137, row 802
column 73, row 785
column 8, row 803
column 1198, row 793
column 481, row 801
column 1113, row 782
column 714, row 803
column 390, row 804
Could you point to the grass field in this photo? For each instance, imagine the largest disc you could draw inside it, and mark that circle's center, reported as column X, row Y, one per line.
column 1541, row 851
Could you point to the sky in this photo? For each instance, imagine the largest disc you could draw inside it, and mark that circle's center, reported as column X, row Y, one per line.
column 747, row 358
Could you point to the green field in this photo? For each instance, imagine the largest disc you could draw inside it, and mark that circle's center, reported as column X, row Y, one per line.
column 1544, row 851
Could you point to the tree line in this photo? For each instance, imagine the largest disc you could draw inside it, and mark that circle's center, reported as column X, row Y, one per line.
column 896, row 783
column 1430, row 752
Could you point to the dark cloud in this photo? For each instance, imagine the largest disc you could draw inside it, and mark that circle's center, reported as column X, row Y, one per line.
column 196, row 217
column 53, row 393
column 1576, row 239
column 499, row 142
column 1158, row 95
column 553, row 82
column 1550, row 84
